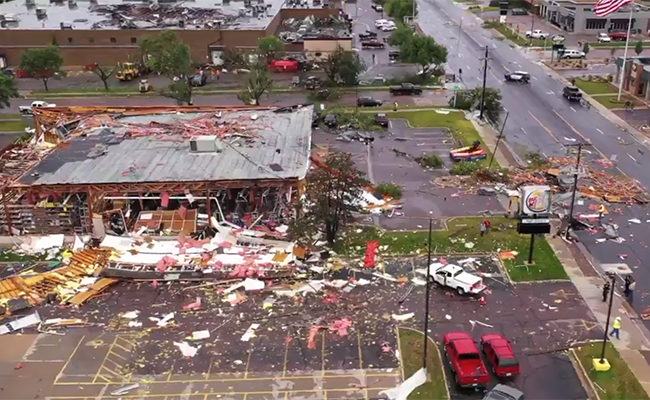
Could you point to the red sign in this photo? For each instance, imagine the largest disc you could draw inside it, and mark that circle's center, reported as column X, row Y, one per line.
column 372, row 248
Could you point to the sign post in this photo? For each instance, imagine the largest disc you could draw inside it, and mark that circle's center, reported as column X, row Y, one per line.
column 534, row 215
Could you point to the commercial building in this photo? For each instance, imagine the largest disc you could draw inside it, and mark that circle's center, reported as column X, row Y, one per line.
column 636, row 79
column 159, row 170
column 108, row 31
column 577, row 16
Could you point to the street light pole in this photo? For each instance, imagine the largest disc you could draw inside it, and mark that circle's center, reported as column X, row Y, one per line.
column 426, row 303
column 575, row 185
column 609, row 314
column 484, row 82
column 498, row 139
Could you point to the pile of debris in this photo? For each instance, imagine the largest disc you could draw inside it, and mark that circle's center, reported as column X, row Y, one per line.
column 295, row 30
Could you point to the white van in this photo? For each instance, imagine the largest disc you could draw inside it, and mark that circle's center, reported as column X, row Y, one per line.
column 573, row 53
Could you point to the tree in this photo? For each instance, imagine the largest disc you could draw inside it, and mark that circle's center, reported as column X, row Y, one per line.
column 167, row 54
column 331, row 198
column 400, row 36
column 586, row 48
column 470, row 99
column 7, row 90
column 343, row 67
column 104, row 73
column 638, row 47
column 399, row 9
column 42, row 63
column 423, row 50
column 270, row 46
column 259, row 81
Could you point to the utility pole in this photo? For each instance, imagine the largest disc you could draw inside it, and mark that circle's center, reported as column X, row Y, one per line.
column 498, row 139
column 532, row 25
column 609, row 314
column 426, row 302
column 575, row 184
column 485, row 65
column 460, row 29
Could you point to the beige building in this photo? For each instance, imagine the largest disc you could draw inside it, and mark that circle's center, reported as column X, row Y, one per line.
column 318, row 49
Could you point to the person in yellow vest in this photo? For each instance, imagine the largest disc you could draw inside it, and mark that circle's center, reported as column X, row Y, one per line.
column 616, row 327
column 601, row 210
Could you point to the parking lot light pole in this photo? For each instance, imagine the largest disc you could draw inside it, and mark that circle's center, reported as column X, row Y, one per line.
column 426, row 303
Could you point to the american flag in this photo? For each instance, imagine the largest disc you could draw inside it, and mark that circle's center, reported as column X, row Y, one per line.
column 606, row 7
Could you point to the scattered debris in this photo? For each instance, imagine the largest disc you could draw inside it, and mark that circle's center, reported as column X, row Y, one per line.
column 186, row 349
column 125, row 389
column 250, row 332
column 403, row 317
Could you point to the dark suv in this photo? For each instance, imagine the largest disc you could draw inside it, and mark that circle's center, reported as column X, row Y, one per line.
column 572, row 93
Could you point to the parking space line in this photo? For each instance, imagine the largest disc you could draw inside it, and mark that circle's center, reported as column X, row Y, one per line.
column 286, row 354
column 359, row 348
column 117, row 355
column 322, row 352
column 104, row 360
column 207, row 376
column 65, row 365
column 250, row 353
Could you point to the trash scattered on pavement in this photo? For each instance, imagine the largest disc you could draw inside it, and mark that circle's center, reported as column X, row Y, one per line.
column 186, row 349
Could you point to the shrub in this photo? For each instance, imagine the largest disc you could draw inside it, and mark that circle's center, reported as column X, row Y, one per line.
column 537, row 160
column 430, row 161
column 464, row 168
column 324, row 95
column 389, row 189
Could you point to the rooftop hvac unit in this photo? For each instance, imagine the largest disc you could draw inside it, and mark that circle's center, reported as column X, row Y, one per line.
column 41, row 13
column 205, row 144
column 30, row 3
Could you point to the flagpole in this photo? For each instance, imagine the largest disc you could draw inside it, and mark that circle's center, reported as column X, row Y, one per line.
column 627, row 42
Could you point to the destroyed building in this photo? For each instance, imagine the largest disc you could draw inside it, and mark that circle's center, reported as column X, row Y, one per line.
column 109, row 31
column 157, row 171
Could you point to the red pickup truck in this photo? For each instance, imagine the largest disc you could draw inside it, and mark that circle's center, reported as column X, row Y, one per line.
column 465, row 360
column 622, row 36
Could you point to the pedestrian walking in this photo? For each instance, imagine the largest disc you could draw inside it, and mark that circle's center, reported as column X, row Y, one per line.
column 487, row 224
column 616, row 327
column 628, row 282
column 373, row 58
column 630, row 292
column 395, row 106
column 606, row 288
column 483, row 228
column 218, row 74
column 460, row 74
column 601, row 211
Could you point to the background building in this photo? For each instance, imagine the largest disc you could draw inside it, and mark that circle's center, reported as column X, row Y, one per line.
column 578, row 16
column 109, row 31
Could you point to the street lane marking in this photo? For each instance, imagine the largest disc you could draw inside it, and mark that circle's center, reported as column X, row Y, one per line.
column 574, row 110
column 523, row 130
column 630, row 155
column 599, row 131
column 585, row 140
column 544, row 126
column 550, row 92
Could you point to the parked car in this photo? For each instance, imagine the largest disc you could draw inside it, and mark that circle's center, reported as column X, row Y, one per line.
column 381, row 22
column 465, row 361
column 572, row 93
column 604, row 38
column 406, row 88
column 331, row 120
column 284, row 66
column 394, row 55
column 368, row 102
column 372, row 44
column 377, row 7
column 468, row 153
column 500, row 355
column 518, row 11
column 504, row 392
column 573, row 53
column 389, row 27
column 381, row 119
column 199, row 79
column 518, row 76
column 367, row 35
column 28, row 110
column 621, row 35
column 313, row 83
column 537, row 34
column 455, row 277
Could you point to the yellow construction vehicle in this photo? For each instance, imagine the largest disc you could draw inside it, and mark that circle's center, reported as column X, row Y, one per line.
column 127, row 71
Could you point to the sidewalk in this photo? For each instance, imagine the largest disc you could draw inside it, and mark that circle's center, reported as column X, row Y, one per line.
column 634, row 336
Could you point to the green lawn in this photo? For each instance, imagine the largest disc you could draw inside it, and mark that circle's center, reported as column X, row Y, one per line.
column 513, row 36
column 592, row 87
column 412, row 348
column 613, row 102
column 10, row 116
column 12, row 126
column 619, row 382
column 460, row 232
column 461, row 128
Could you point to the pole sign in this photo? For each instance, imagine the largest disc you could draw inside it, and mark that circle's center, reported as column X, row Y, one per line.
column 535, row 208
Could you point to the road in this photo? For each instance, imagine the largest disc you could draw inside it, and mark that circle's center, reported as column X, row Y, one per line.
column 541, row 120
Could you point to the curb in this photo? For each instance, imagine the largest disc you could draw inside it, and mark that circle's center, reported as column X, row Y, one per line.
column 582, row 374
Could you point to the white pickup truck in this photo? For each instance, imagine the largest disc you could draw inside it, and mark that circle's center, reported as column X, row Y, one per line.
column 455, row 277
column 28, row 110
column 536, row 34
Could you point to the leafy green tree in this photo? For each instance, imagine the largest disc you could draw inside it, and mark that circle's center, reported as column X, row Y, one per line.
column 331, row 199
column 401, row 35
column 399, row 9
column 638, row 47
column 470, row 99
column 104, row 73
column 270, row 47
column 42, row 64
column 259, row 81
column 167, row 54
column 7, row 90
column 424, row 51
column 343, row 67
